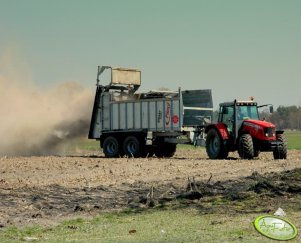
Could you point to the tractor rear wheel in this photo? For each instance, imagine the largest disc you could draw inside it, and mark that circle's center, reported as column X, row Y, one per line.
column 281, row 151
column 245, row 147
column 215, row 147
column 111, row 147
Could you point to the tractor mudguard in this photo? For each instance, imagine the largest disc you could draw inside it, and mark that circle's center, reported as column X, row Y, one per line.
column 221, row 128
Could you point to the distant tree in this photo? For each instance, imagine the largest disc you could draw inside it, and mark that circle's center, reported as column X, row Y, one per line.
column 287, row 117
column 294, row 119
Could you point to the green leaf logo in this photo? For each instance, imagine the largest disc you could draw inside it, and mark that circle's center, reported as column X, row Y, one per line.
column 276, row 228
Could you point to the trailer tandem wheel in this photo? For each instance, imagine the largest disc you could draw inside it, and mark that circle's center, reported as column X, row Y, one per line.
column 111, row 147
column 132, row 146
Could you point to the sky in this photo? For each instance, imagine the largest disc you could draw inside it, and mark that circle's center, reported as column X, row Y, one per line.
column 237, row 48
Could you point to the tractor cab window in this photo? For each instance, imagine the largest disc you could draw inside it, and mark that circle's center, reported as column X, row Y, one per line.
column 228, row 117
column 245, row 112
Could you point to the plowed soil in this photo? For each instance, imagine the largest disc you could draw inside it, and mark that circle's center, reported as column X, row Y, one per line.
column 46, row 190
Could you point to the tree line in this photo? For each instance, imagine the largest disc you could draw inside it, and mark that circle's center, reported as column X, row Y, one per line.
column 285, row 117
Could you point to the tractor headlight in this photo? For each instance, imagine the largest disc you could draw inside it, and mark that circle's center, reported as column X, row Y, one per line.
column 269, row 132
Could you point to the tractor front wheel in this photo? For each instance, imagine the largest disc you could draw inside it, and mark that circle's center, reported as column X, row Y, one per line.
column 281, row 151
column 215, row 147
column 245, row 147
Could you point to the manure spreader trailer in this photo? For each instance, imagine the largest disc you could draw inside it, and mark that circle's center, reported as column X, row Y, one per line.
column 128, row 123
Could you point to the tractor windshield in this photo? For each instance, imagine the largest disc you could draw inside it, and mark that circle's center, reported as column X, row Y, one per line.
column 247, row 112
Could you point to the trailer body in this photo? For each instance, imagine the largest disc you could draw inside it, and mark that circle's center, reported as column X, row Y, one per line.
column 140, row 124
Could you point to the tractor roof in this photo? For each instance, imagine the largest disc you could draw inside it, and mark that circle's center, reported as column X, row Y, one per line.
column 239, row 103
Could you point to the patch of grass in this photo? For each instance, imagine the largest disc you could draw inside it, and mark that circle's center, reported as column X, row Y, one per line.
column 181, row 225
column 76, row 221
column 88, row 144
column 294, row 139
column 219, row 200
column 13, row 234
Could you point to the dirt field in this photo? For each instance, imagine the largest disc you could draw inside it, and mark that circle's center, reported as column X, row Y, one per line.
column 46, row 190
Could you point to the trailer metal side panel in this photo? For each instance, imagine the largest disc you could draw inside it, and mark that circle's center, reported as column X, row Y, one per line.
column 122, row 118
column 144, row 115
column 152, row 115
column 130, row 115
column 137, row 115
column 159, row 115
column 115, row 116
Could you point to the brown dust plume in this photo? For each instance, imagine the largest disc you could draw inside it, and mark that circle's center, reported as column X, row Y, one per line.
column 41, row 122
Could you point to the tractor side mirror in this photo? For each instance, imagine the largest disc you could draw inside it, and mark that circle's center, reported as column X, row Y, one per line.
column 271, row 109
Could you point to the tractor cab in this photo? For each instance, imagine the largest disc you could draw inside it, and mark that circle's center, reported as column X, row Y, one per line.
column 232, row 114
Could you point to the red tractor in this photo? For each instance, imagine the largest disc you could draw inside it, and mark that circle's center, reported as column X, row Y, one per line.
column 240, row 129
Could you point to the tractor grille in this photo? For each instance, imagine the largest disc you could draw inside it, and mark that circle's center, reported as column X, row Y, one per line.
column 269, row 131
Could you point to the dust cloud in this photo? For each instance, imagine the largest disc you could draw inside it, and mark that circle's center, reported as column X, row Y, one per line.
column 34, row 121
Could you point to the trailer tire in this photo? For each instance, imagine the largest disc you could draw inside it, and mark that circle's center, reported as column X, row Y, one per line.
column 281, row 151
column 245, row 147
column 132, row 146
column 111, row 147
column 166, row 150
column 215, row 147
